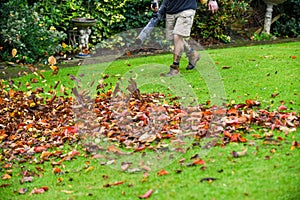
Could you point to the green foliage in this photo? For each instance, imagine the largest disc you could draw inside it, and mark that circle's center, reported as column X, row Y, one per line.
column 214, row 25
column 137, row 14
column 289, row 22
column 28, row 32
column 109, row 15
column 263, row 37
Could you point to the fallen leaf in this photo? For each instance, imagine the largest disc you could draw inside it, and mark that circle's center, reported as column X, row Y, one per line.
column 209, row 179
column 39, row 190
column 295, row 145
column 38, row 149
column 117, row 183
column 6, row 176
column 237, row 154
column 199, row 162
column 54, row 68
column 56, row 170
column 282, row 107
column 67, row 191
column 22, row 190
column 26, row 179
column 162, row 172
column 89, row 169
column 146, row 195
column 5, row 185
column 226, row 67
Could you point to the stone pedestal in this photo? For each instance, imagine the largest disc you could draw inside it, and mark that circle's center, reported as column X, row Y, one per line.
column 83, row 25
column 268, row 16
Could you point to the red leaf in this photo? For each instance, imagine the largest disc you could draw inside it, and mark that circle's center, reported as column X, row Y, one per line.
column 282, row 107
column 40, row 149
column 147, row 194
column 70, row 129
column 199, row 162
column 74, row 153
column 236, row 137
column 162, row 172
column 56, row 170
column 140, row 148
column 39, row 190
column 118, row 183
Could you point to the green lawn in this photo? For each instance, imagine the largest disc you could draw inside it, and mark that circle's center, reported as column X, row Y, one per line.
column 266, row 73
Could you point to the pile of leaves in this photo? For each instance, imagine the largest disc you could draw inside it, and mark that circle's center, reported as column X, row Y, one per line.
column 31, row 124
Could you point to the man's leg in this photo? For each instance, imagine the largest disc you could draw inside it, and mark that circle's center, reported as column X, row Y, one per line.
column 193, row 56
column 183, row 28
column 170, row 24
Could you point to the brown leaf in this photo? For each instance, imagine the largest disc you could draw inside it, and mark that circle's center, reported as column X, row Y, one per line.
column 5, row 185
column 226, row 67
column 45, row 154
column 209, row 179
column 6, row 176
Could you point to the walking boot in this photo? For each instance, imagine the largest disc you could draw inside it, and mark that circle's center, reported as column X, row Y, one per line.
column 174, row 71
column 193, row 57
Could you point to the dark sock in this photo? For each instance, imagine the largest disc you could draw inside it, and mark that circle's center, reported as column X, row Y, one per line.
column 175, row 63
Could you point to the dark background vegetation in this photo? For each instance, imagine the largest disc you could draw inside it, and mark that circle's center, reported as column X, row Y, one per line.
column 37, row 29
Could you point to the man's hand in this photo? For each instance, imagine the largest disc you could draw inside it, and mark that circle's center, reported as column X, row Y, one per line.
column 213, row 6
column 154, row 6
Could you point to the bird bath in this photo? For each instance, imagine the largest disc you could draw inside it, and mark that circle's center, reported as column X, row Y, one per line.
column 268, row 16
column 83, row 25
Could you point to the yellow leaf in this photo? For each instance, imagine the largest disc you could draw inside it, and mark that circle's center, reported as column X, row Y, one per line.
column 52, row 60
column 67, row 191
column 89, row 169
column 52, row 28
column 14, row 52
column 63, row 45
column 53, row 67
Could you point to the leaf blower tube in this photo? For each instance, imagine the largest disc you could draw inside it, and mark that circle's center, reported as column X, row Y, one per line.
column 152, row 23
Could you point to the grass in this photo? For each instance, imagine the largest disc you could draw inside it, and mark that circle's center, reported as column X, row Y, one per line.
column 223, row 75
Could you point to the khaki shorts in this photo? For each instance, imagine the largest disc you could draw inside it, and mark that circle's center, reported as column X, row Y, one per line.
column 180, row 23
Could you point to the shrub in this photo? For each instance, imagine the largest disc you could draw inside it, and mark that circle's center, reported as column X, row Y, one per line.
column 25, row 30
column 109, row 15
column 289, row 22
column 208, row 25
